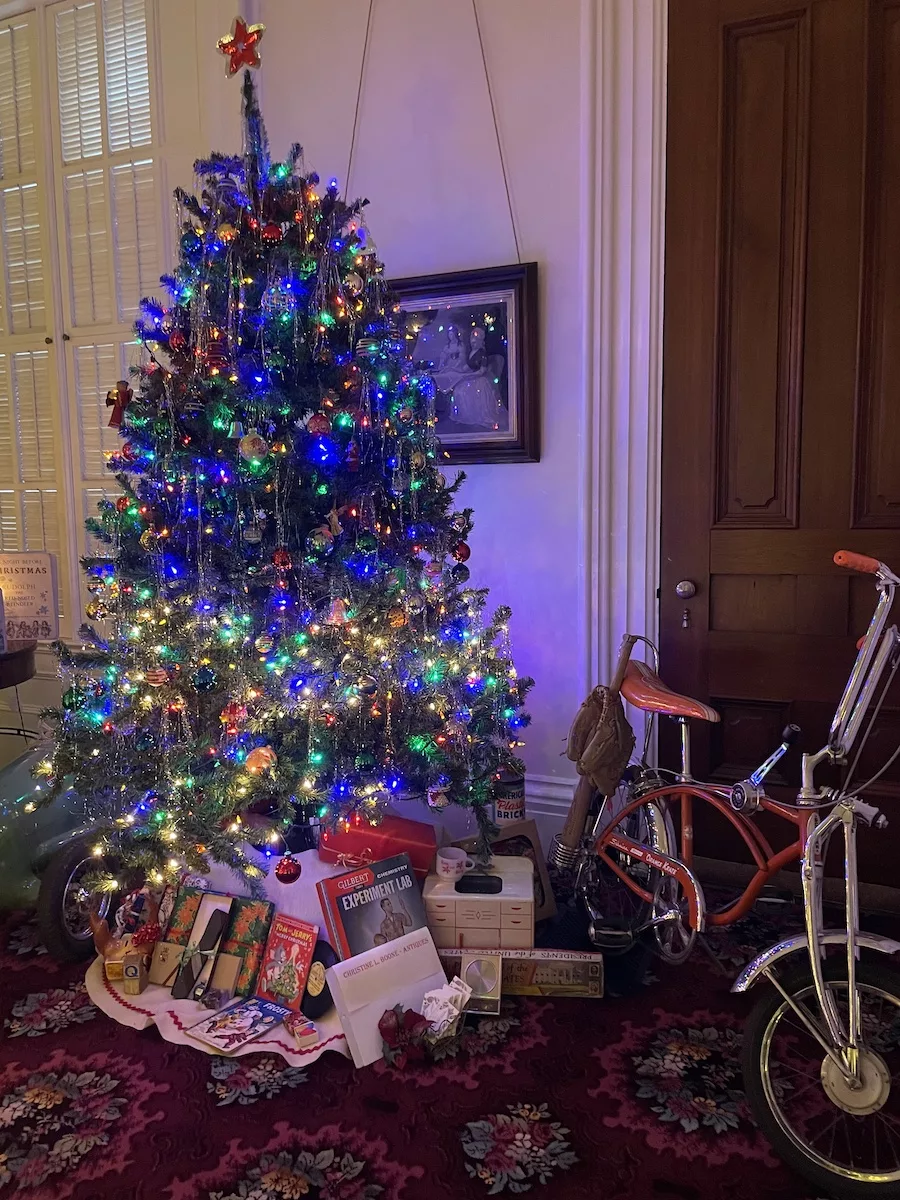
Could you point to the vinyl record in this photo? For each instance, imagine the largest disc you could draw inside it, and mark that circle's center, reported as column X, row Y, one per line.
column 317, row 999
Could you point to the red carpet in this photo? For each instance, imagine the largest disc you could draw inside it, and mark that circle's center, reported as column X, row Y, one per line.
column 632, row 1096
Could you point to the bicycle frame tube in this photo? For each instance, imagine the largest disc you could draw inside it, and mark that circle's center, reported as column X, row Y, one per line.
column 768, row 863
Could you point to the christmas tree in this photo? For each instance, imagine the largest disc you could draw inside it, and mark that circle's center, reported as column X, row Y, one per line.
column 284, row 625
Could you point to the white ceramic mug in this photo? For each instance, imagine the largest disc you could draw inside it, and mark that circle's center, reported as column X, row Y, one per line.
column 452, row 863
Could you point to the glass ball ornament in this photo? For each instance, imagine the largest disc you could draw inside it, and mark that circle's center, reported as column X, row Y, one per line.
column 406, row 413
column 148, row 539
column 364, row 762
column 460, row 573
column 353, row 282
column 459, row 523
column 95, row 585
column 204, row 679
column 128, row 452
column 156, row 676
column 366, row 542
column 438, row 797
column 319, row 423
column 321, row 540
column 367, row 684
column 434, row 569
column 416, row 605
column 252, row 534
column 96, row 610
column 282, row 559
column 144, row 741
column 122, row 504
column 253, row 446
column 396, row 618
column 191, row 244
column 288, row 870
column 417, row 459
column 461, row 551
column 261, row 758
column 271, row 232
column 400, row 482
column 264, row 643
column 226, row 232
column 71, row 699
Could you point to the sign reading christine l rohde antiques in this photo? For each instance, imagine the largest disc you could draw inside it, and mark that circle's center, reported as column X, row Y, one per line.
column 30, row 596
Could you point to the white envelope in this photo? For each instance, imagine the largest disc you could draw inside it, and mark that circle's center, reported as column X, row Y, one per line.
column 363, row 987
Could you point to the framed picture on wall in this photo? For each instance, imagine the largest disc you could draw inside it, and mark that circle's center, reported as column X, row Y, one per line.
column 476, row 332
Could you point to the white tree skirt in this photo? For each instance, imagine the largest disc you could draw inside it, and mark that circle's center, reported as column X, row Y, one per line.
column 155, row 1006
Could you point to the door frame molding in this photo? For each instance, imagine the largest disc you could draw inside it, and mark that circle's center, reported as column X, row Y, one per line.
column 622, row 188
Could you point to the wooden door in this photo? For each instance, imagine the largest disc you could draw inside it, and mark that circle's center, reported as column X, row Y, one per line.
column 781, row 392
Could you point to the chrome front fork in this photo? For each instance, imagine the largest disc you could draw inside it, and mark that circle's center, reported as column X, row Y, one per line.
column 843, row 1037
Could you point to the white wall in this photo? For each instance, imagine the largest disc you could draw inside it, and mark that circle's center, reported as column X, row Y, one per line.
column 578, row 90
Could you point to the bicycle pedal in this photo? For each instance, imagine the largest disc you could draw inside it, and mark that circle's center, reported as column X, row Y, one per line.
column 610, row 937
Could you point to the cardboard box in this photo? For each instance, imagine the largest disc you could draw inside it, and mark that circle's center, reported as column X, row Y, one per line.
column 565, row 973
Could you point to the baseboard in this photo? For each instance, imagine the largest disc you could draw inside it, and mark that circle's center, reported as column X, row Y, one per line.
column 873, row 897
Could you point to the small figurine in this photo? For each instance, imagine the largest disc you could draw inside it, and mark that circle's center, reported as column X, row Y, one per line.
column 118, row 399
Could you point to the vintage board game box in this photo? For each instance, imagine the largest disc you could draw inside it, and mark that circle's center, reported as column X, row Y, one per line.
column 370, row 905
column 572, row 973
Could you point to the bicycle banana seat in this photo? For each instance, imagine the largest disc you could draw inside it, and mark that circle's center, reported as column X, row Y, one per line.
column 643, row 688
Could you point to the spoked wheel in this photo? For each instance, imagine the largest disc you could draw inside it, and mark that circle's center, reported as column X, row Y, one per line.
column 844, row 1138
column 618, row 915
column 673, row 936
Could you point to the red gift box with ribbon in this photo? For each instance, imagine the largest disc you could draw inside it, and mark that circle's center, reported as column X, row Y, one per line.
column 359, row 843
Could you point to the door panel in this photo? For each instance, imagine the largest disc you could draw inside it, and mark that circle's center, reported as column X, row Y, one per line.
column 781, row 436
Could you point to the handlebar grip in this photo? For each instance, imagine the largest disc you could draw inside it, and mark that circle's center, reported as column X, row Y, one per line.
column 857, row 562
column 789, row 734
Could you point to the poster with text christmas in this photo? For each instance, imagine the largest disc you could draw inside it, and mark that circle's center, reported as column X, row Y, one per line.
column 30, row 598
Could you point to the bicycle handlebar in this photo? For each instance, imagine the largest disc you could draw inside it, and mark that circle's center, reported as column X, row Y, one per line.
column 857, row 562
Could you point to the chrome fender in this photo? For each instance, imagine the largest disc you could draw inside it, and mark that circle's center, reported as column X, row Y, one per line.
column 830, row 937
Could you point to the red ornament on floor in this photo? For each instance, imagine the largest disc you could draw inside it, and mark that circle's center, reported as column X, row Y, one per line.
column 287, row 870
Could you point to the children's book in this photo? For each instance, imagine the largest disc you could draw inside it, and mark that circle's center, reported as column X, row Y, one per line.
column 371, row 905
column 242, row 1022
column 286, row 961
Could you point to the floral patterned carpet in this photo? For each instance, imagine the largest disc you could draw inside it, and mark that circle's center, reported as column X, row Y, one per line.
column 637, row 1095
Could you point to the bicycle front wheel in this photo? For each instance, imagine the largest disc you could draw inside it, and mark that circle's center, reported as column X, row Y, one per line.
column 844, row 1139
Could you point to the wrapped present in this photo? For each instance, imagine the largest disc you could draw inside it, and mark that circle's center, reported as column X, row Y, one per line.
column 361, row 843
column 246, row 938
column 184, row 913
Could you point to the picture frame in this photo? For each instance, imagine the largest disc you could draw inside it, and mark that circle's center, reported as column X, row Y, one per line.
column 476, row 332
column 522, row 840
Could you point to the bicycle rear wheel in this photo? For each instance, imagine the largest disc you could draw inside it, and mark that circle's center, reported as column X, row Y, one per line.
column 846, row 1141
column 618, row 915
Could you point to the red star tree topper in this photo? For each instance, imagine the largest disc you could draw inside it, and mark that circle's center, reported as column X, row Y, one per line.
column 242, row 46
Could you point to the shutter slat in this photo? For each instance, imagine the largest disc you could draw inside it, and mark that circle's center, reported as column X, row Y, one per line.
column 78, row 72
column 22, row 258
column 88, row 232
column 127, row 74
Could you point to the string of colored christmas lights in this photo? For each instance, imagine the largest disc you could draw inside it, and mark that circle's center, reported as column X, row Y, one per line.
column 284, row 627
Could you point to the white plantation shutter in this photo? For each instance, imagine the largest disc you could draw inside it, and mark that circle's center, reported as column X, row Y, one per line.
column 110, row 212
column 78, row 72
column 88, row 239
column 32, row 506
column 23, row 257
column 127, row 74
column 137, row 260
column 17, row 155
